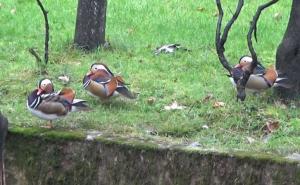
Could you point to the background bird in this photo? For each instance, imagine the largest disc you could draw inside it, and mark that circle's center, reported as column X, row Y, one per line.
column 44, row 103
column 101, row 82
column 261, row 79
column 169, row 48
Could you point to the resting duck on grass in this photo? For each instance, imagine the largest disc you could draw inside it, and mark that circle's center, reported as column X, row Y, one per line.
column 101, row 82
column 261, row 79
column 44, row 103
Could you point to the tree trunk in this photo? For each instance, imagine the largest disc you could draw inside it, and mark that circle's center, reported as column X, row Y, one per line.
column 3, row 131
column 90, row 24
column 288, row 53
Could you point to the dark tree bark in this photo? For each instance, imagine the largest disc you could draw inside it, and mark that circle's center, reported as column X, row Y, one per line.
column 90, row 24
column 3, row 131
column 288, row 53
column 45, row 13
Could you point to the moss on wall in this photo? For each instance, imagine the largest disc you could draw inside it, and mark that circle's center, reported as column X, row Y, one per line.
column 45, row 157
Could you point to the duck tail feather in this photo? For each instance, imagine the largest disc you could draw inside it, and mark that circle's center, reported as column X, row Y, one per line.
column 79, row 105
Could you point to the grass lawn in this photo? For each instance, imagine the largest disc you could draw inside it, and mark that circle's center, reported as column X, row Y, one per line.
column 134, row 29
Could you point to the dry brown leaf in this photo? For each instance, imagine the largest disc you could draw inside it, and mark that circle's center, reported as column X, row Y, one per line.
column 271, row 126
column 200, row 9
column 151, row 100
column 218, row 104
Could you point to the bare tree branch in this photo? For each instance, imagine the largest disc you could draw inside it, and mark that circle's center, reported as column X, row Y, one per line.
column 241, row 84
column 45, row 13
column 221, row 40
column 41, row 66
column 36, row 56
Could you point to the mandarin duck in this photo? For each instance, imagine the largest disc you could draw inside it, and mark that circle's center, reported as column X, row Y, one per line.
column 44, row 103
column 101, row 82
column 260, row 80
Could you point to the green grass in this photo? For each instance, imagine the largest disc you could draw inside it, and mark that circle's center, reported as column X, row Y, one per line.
column 134, row 29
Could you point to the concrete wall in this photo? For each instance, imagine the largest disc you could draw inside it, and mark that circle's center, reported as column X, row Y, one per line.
column 53, row 159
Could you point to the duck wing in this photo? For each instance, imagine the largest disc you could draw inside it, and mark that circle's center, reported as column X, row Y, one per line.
column 259, row 69
column 54, row 104
column 125, row 92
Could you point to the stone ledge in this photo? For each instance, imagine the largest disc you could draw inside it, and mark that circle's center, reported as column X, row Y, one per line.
column 41, row 156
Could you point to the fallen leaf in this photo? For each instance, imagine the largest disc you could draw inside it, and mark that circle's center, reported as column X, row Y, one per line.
column 174, row 106
column 13, row 11
column 294, row 156
column 151, row 100
column 218, row 104
column 64, row 79
column 277, row 16
column 250, row 140
column 77, row 63
column 46, row 126
column 293, row 106
column 130, row 30
column 195, row 144
column 270, row 126
column 200, row 9
column 205, row 127
column 216, row 14
column 91, row 135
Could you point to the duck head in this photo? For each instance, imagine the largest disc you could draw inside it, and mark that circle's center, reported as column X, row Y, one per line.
column 246, row 59
column 99, row 69
column 244, row 63
column 45, row 86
